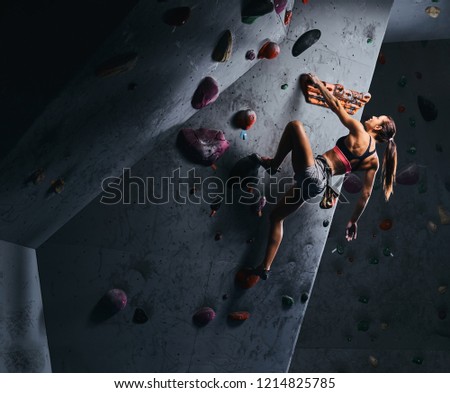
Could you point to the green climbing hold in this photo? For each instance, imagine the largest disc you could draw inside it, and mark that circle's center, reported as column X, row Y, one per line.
column 387, row 252
column 284, row 86
column 402, row 81
column 363, row 326
column 417, row 360
column 364, row 299
column 287, row 301
column 340, row 249
column 304, row 297
column 369, row 40
column 412, row 149
column 423, row 187
column 374, row 261
column 412, row 122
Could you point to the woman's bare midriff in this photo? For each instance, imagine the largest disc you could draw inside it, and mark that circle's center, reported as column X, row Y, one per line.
column 338, row 168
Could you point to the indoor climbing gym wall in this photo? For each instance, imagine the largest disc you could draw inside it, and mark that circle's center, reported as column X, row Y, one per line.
column 23, row 340
column 148, row 277
column 381, row 302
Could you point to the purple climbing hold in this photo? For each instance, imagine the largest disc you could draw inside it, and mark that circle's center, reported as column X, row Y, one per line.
column 202, row 146
column 280, row 6
column 250, row 55
column 352, row 183
column 206, row 93
column 177, row 16
column 203, row 316
column 409, row 175
column 116, row 299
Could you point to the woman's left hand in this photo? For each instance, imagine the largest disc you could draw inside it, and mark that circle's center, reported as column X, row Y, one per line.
column 351, row 231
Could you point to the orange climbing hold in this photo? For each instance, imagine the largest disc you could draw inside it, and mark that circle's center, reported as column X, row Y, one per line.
column 245, row 279
column 386, row 224
column 269, row 50
column 239, row 315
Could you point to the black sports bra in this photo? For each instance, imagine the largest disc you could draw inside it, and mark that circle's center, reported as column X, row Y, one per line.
column 350, row 156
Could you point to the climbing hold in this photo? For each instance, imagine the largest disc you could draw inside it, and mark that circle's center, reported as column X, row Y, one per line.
column 280, row 6
column 245, row 171
column 352, row 183
column 433, row 11
column 439, row 148
column 203, row 316
column 402, row 81
column 223, row 49
column 250, row 55
column 215, row 205
column 339, row 272
column 432, row 227
column 117, row 65
column 369, row 40
column 412, row 149
column 442, row 314
column 374, row 261
column 206, row 93
column 287, row 301
column 387, row 252
column 418, row 75
column 177, row 16
column 417, row 360
column 373, row 361
column 427, row 109
column 140, row 316
column 363, row 326
column 305, row 41
column 284, row 86
column 339, row 248
column 363, row 299
column 202, row 146
column 423, row 186
column 239, row 316
column 409, row 175
column 57, row 186
column 412, row 122
column 304, row 297
column 349, row 339
column 381, row 58
column 245, row 279
column 255, row 8
column 225, row 296
column 444, row 215
column 269, row 50
column 244, row 119
column 442, row 289
column 38, row 176
column 384, row 325
column 401, row 108
column 243, row 135
column 132, row 86
column 259, row 205
column 251, row 240
column 326, row 223
column 115, row 299
column 351, row 259
column 218, row 236
column 287, row 17
column 305, row 1
column 386, row 224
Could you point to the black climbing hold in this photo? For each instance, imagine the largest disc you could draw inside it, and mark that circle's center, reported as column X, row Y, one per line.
column 225, row 297
column 304, row 297
column 254, row 8
column 140, row 316
column 218, row 236
column 427, row 109
column 326, row 223
column 287, row 301
column 223, row 49
column 305, row 41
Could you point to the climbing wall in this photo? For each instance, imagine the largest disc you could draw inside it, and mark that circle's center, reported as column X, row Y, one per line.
column 23, row 340
column 168, row 260
column 381, row 303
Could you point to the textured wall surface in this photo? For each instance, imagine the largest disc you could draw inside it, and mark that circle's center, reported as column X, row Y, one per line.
column 23, row 340
column 402, row 290
column 166, row 257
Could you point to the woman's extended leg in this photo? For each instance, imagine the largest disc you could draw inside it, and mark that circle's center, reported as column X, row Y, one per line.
column 294, row 139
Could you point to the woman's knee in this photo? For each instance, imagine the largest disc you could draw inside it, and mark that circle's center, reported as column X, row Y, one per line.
column 296, row 125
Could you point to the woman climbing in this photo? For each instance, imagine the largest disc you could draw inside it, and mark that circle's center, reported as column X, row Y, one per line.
column 353, row 152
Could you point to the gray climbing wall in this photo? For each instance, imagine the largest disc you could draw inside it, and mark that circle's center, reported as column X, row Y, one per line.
column 23, row 340
column 166, row 257
column 408, row 299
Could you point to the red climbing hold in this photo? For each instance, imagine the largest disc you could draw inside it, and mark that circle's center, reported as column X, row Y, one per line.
column 245, row 279
column 269, row 50
column 386, row 224
column 245, row 119
column 206, row 93
column 177, row 16
column 401, row 108
column 305, row 1
column 381, row 58
column 287, row 17
column 239, row 315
